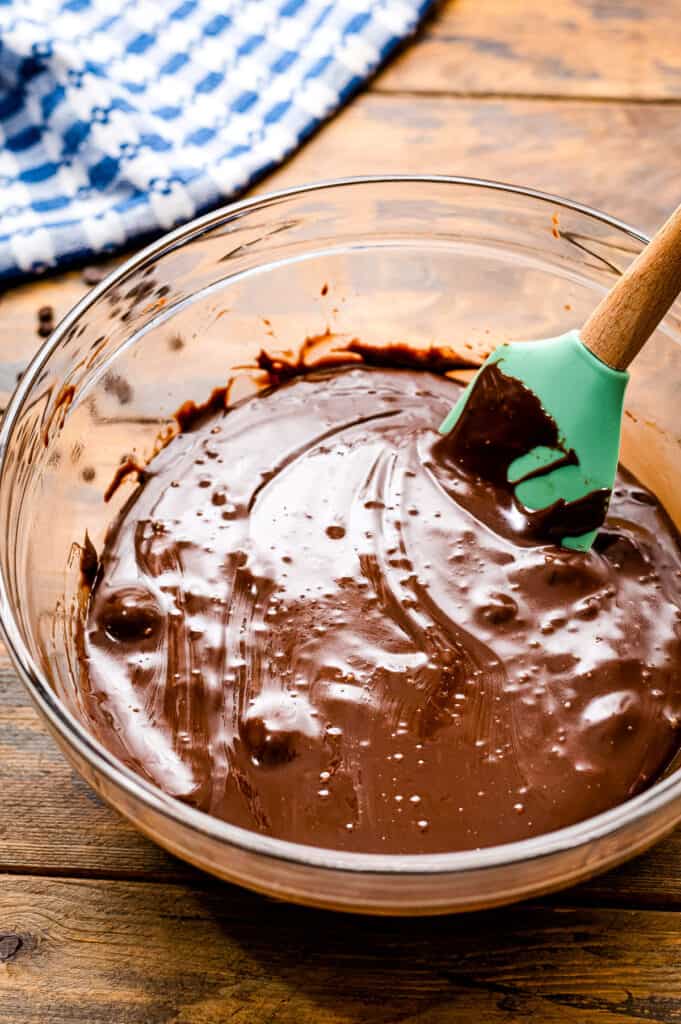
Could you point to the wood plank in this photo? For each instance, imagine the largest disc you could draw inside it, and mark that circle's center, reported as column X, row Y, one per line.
column 652, row 880
column 107, row 953
column 597, row 153
column 50, row 820
column 626, row 49
column 621, row 158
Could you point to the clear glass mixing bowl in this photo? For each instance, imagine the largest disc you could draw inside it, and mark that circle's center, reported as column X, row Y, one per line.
column 419, row 259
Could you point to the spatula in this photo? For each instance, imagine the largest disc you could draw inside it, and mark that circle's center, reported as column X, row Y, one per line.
column 579, row 379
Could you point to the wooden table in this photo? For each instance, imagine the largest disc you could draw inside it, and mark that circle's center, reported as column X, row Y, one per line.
column 97, row 925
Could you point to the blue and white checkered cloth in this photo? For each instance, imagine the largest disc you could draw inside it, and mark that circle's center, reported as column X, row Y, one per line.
column 123, row 119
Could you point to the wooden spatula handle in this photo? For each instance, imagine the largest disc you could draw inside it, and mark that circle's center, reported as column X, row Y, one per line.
column 627, row 316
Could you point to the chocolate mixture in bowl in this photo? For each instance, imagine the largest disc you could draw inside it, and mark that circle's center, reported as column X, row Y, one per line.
column 298, row 624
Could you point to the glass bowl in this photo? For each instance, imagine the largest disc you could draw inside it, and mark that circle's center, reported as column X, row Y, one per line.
column 385, row 259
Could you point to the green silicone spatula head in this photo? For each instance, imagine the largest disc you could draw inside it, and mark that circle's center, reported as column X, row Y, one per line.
column 579, row 380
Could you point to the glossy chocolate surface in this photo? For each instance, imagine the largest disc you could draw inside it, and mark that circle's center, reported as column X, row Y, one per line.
column 297, row 626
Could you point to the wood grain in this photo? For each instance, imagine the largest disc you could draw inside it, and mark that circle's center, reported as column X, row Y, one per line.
column 600, row 154
column 50, row 820
column 538, row 143
column 108, row 953
column 601, row 49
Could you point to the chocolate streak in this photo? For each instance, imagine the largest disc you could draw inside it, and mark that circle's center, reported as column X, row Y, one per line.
column 501, row 421
column 299, row 624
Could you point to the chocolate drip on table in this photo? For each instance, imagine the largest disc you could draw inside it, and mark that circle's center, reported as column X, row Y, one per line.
column 300, row 623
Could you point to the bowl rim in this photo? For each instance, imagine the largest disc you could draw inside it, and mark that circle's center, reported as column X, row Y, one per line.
column 75, row 736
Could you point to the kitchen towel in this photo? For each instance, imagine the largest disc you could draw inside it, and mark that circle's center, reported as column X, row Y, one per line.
column 121, row 120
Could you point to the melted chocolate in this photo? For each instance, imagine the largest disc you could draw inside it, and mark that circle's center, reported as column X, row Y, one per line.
column 300, row 623
column 502, row 421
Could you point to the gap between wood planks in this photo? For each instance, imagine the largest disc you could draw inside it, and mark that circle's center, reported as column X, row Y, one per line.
column 546, row 97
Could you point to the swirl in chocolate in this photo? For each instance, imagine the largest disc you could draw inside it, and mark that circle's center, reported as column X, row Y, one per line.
column 296, row 626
